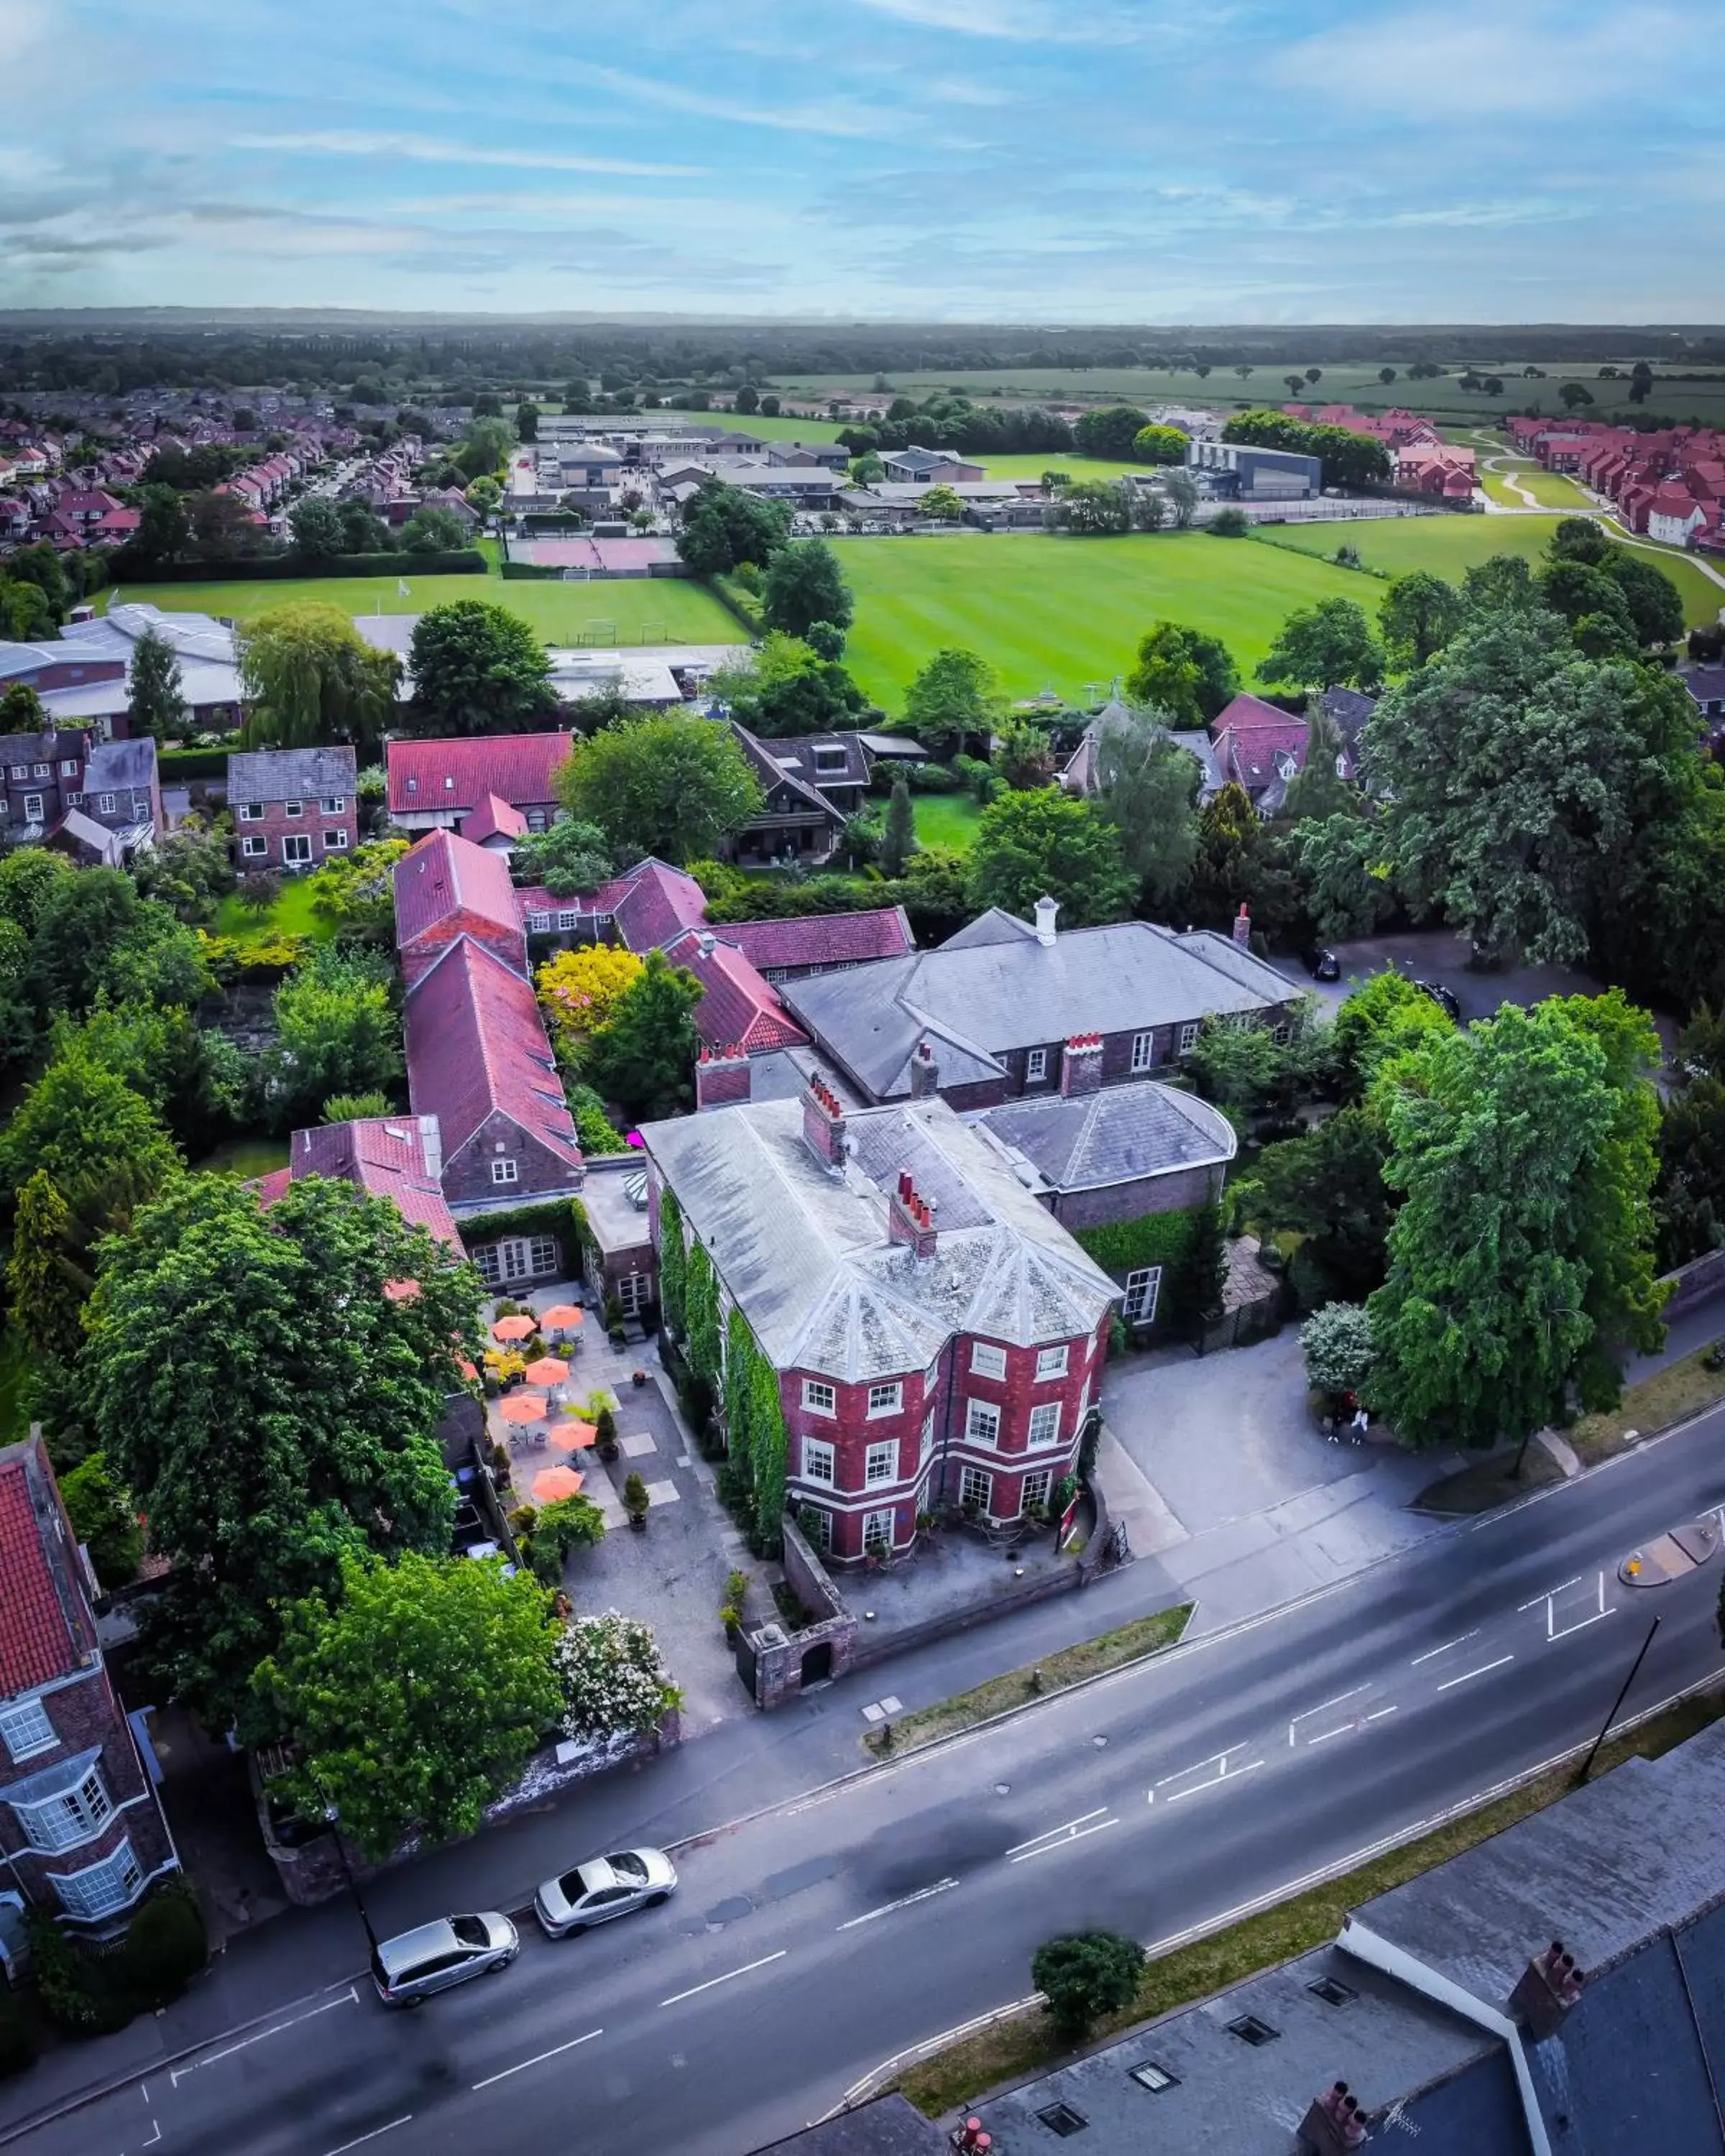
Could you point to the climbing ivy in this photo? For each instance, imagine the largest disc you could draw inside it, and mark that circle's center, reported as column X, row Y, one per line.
column 769, row 1443
column 673, row 1264
column 740, row 1354
column 701, row 1307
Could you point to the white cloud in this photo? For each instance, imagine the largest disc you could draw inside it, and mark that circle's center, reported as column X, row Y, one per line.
column 1028, row 22
column 811, row 117
column 428, row 150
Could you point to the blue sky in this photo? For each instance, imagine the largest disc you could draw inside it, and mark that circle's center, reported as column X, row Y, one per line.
column 1153, row 160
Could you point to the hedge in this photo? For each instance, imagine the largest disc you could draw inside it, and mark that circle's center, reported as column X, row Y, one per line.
column 530, row 572
column 1120, row 1247
column 192, row 763
column 461, row 562
column 743, row 606
column 565, row 1217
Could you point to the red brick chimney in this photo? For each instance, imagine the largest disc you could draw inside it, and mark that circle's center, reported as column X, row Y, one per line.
column 910, row 1218
column 1243, row 927
column 1549, row 1986
column 823, row 1122
column 1082, row 1064
column 721, row 1075
column 1334, row 2125
column 925, row 1071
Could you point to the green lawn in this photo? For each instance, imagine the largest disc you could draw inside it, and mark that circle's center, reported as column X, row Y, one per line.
column 675, row 609
column 245, row 1158
column 947, row 819
column 291, row 915
column 1065, row 613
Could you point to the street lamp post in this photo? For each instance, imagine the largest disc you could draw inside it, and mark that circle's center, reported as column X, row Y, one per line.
column 332, row 1817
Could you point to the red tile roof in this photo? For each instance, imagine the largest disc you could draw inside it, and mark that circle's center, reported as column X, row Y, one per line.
column 38, row 1588
column 456, row 775
column 739, row 1007
column 1249, row 733
column 444, row 876
column 385, row 1155
column 493, row 818
column 476, row 1046
column 823, row 939
column 652, row 904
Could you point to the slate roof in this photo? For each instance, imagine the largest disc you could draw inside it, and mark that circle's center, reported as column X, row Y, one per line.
column 45, row 1629
column 114, row 635
column 795, row 753
column 823, row 939
column 113, row 764
column 994, row 987
column 1092, row 1141
column 804, row 1249
column 763, row 756
column 384, row 1155
column 475, row 1044
column 292, row 774
column 444, row 876
column 456, row 775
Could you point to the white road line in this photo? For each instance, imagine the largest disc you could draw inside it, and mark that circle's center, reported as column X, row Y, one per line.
column 373, row 2135
column 1324, row 1735
column 1066, row 1827
column 349, row 1996
column 1380, row 1714
column 155, row 2134
column 1223, row 1773
column 1468, row 1676
column 556, row 2051
column 678, row 1997
column 1309, row 1712
column 905, row 1901
column 1432, row 1653
column 1549, row 1593
column 1065, row 1841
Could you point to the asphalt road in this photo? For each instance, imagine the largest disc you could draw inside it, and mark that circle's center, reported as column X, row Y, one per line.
column 810, row 1944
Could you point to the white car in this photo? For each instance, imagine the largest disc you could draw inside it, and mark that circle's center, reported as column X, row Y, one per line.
column 604, row 1887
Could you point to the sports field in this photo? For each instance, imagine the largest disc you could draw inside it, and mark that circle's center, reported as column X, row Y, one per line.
column 1064, row 614
column 639, row 609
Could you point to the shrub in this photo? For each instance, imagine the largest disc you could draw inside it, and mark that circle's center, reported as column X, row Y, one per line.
column 166, row 1948
column 1086, row 1976
column 634, row 1494
column 1336, row 1341
column 1229, row 524
column 932, row 778
column 66, row 1983
column 612, row 1678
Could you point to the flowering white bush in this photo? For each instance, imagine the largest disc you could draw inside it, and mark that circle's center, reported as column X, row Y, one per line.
column 611, row 1676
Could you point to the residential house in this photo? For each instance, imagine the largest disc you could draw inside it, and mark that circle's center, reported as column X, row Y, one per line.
column 998, row 1001
column 644, row 909
column 1441, row 468
column 915, row 467
column 81, row 1832
column 1673, row 514
column 1262, row 749
column 99, row 800
column 399, row 1157
column 448, row 890
column 938, row 1337
column 1707, row 688
column 495, row 826
column 293, row 808
column 794, row 949
column 436, row 784
column 812, row 783
column 739, row 1011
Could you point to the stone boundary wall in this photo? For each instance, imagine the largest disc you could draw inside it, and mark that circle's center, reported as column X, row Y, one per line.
column 1695, row 1282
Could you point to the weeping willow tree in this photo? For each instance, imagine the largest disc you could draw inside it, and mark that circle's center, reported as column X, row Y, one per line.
column 310, row 678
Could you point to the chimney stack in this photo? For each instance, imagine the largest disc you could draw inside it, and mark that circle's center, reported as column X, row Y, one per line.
column 1082, row 1064
column 1549, row 1986
column 925, row 1071
column 910, row 1218
column 1243, row 927
column 1335, row 2124
column 824, row 1122
column 1046, row 909
column 721, row 1075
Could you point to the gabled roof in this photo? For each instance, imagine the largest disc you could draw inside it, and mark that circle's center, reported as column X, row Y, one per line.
column 796, row 755
column 292, row 774
column 45, row 1626
column 445, row 875
column 476, row 1046
column 738, row 1007
column 823, row 939
column 652, row 903
column 494, row 819
column 385, row 1155
column 453, row 776
column 763, row 756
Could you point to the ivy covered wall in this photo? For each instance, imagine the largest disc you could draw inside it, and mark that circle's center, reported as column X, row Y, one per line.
column 1120, row 1247
column 673, row 1264
column 754, row 1421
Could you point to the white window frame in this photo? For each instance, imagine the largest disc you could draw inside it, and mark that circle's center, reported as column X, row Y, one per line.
column 75, row 801
column 336, row 841
column 1143, row 1285
column 254, row 847
column 1189, row 1032
column 885, row 1399
column 544, row 1254
column 568, row 919
column 982, row 1422
column 33, row 807
column 877, row 1532
column 1035, row 1488
column 69, row 769
column 634, row 1292
column 1143, row 1052
column 881, row 1464
column 114, row 1882
column 290, row 841
column 42, row 771
column 335, row 805
column 251, row 812
column 293, row 808
column 1281, row 1035
column 70, row 1819
column 1051, row 1361
column 987, row 1360
column 819, row 1462
column 1035, row 1066
column 975, row 1485
column 927, row 1444
column 25, row 1730
column 538, row 924
column 21, row 770
column 506, row 1170
column 821, row 1520
column 1045, row 1424
column 819, row 1398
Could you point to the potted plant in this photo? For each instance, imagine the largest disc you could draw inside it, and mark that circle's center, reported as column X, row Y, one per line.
column 605, row 1434
column 637, row 1379
column 635, row 1502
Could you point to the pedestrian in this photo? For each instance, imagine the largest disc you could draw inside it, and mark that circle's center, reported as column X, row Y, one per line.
column 1359, row 1426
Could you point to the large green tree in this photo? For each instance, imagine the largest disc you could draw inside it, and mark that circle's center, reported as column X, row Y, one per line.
column 415, row 1693
column 158, row 703
column 1046, row 845
column 567, row 857
column 723, row 526
column 1147, row 788
column 310, row 679
column 1111, row 430
column 1327, row 646
column 1348, row 892
column 1418, row 616
column 1689, row 1199
column 1519, row 1259
column 1328, row 1188
column 338, row 1031
column 953, row 700
column 644, row 1056
column 271, row 1406
column 784, row 686
column 675, row 788
column 1182, row 671
column 803, row 585
column 478, row 669
column 1382, row 1018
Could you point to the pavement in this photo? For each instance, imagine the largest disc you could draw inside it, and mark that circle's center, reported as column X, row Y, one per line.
column 821, row 1931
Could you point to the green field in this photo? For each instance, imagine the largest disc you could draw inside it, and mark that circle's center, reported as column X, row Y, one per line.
column 947, row 819
column 675, row 609
column 291, row 915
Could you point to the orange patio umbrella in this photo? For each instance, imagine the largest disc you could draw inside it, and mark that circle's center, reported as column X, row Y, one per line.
column 514, row 1328
column 573, row 1436
column 550, row 1483
column 524, row 1407
column 467, row 1369
column 561, row 1317
column 548, row 1370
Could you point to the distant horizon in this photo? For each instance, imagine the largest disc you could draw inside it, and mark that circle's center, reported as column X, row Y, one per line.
column 1269, row 163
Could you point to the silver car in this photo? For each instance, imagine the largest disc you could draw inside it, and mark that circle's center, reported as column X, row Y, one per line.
column 607, row 1886
column 413, row 1965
